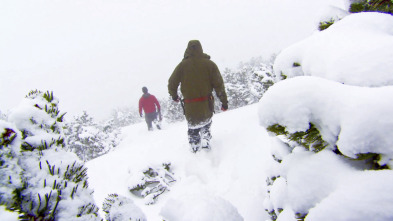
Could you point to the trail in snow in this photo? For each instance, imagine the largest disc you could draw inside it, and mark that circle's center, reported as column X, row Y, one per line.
column 234, row 169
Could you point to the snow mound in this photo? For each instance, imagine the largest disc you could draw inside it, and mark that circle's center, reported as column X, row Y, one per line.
column 200, row 208
column 356, row 119
column 356, row 50
column 365, row 195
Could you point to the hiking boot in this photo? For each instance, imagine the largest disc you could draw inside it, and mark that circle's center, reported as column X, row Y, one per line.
column 205, row 143
column 206, row 147
column 194, row 147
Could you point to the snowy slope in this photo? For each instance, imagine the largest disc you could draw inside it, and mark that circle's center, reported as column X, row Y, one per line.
column 231, row 175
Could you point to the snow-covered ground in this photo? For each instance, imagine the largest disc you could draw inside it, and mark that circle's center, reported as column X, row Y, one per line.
column 231, row 175
column 346, row 94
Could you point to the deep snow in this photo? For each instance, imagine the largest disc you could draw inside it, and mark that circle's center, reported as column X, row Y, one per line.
column 348, row 101
column 229, row 182
column 232, row 175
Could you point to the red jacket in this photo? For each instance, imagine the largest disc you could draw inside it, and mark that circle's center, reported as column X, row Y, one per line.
column 148, row 102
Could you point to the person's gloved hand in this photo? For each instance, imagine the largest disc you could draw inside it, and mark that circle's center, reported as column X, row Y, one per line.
column 159, row 116
column 141, row 114
column 176, row 98
column 224, row 107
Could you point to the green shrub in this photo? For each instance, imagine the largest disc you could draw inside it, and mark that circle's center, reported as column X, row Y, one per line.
column 356, row 7
column 373, row 159
column 325, row 24
column 296, row 64
column 384, row 6
column 310, row 139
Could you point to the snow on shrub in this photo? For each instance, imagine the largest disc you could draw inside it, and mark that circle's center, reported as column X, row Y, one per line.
column 355, row 119
column 356, row 50
column 246, row 85
column 9, row 168
column 331, row 15
column 88, row 139
column 355, row 124
column 333, row 148
column 152, row 182
column 47, row 183
column 119, row 208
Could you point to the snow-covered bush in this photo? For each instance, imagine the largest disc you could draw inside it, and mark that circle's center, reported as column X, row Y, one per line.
column 119, row 208
column 43, row 181
column 247, row 84
column 344, row 52
column 10, row 170
column 310, row 139
column 171, row 111
column 331, row 15
column 152, row 182
column 325, row 24
column 124, row 116
column 333, row 129
column 350, row 123
column 88, row 139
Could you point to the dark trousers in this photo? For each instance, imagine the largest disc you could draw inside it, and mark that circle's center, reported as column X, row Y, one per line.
column 202, row 135
column 150, row 117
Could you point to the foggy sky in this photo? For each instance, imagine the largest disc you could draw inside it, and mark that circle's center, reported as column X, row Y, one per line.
column 96, row 55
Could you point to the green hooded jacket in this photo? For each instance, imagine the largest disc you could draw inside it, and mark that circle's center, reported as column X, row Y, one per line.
column 197, row 76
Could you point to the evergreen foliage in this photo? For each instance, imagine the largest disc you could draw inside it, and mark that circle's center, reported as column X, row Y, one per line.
column 296, row 64
column 246, row 85
column 124, row 116
column 10, row 170
column 325, row 24
column 88, row 139
column 384, row 6
column 357, row 7
column 44, row 182
column 310, row 139
column 171, row 111
column 373, row 159
column 153, row 183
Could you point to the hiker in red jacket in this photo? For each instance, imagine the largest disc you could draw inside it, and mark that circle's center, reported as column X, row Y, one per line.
column 149, row 104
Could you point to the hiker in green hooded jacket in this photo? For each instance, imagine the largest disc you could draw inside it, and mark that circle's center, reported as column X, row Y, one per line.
column 198, row 76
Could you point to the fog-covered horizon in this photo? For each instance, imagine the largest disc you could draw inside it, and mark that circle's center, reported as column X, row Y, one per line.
column 97, row 55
